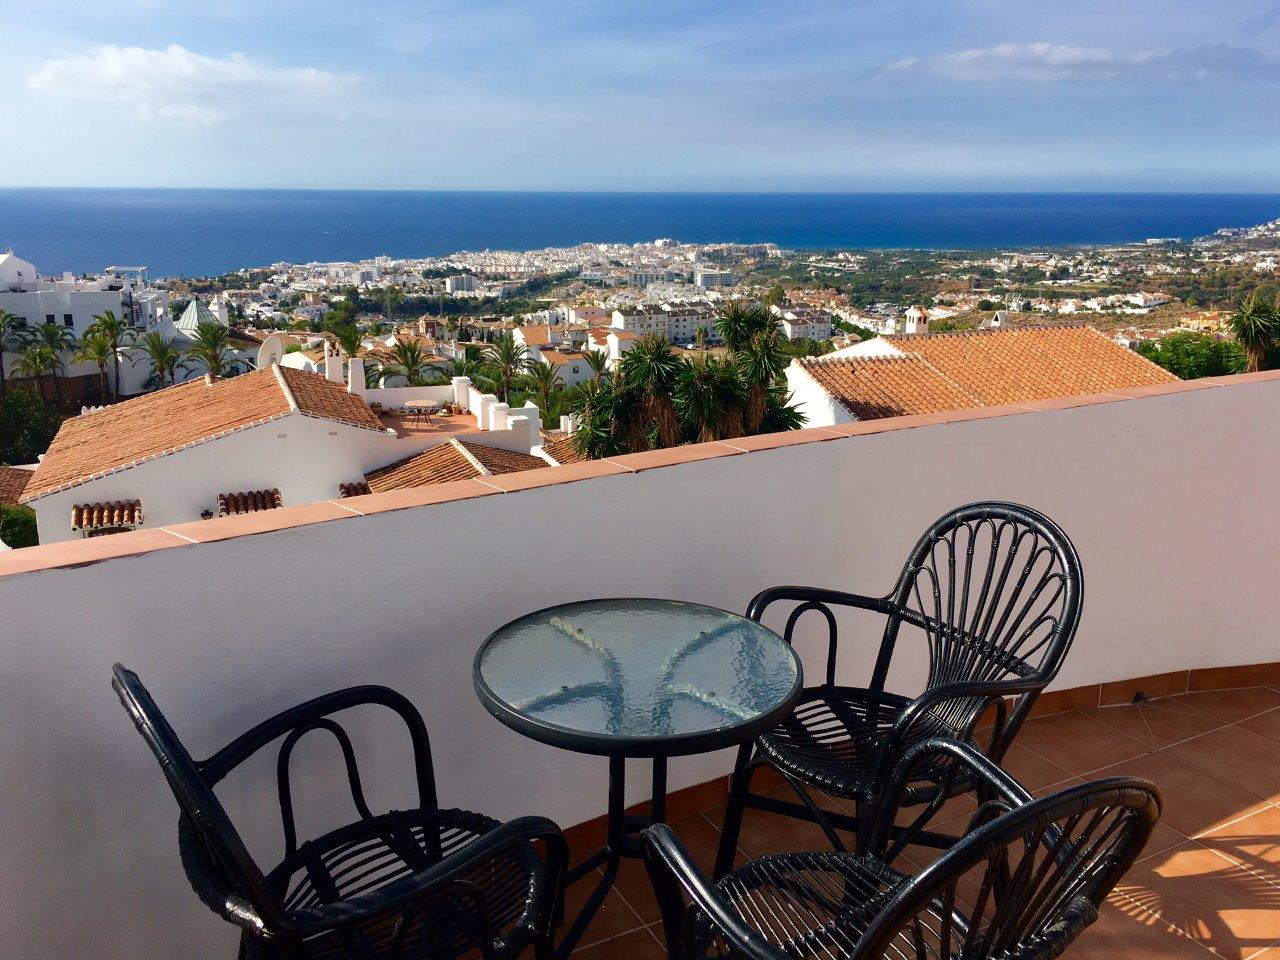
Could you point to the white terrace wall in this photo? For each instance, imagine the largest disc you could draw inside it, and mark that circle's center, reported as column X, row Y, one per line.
column 1170, row 500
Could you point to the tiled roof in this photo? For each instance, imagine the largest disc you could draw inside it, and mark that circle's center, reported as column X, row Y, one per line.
column 159, row 423
column 357, row 489
column 92, row 516
column 536, row 334
column 454, row 460
column 320, row 397
column 560, row 447
column 12, row 482
column 248, row 501
column 1020, row 364
column 979, row 368
column 873, row 387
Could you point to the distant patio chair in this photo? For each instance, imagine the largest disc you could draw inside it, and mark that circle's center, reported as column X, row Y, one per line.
column 1026, row 878
column 428, row 883
column 994, row 591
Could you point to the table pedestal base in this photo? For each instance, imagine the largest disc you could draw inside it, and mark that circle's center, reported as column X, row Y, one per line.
column 622, row 840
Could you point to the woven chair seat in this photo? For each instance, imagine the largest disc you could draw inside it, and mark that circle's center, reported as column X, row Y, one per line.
column 383, row 857
column 808, row 904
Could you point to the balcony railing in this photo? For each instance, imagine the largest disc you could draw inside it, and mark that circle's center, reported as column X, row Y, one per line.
column 1168, row 494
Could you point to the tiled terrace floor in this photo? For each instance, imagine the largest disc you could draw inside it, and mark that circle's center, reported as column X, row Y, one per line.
column 439, row 425
column 1208, row 882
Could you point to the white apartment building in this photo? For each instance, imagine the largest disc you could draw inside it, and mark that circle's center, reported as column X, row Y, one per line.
column 73, row 302
column 711, row 279
column 463, row 283
column 803, row 323
column 686, row 318
column 641, row 319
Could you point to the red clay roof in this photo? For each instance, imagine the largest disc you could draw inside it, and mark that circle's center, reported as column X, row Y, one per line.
column 455, row 460
column 1020, row 364
column 12, row 482
column 159, row 423
column 560, row 448
column 92, row 516
column 953, row 371
column 248, row 501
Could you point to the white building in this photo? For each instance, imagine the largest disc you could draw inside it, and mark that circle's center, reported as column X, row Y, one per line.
column 803, row 323
column 73, row 302
column 711, row 279
column 641, row 320
column 463, row 283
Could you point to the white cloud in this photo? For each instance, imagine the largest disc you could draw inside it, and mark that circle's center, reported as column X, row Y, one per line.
column 1055, row 63
column 176, row 85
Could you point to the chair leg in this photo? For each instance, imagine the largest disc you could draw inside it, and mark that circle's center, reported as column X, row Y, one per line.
column 734, row 808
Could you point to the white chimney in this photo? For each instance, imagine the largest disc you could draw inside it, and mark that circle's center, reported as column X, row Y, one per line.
column 332, row 366
column 355, row 376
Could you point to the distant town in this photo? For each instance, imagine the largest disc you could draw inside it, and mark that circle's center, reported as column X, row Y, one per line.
column 132, row 401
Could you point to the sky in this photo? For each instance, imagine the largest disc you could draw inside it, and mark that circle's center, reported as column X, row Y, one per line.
column 855, row 95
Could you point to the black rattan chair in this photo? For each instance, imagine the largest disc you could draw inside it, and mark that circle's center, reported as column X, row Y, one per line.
column 428, row 883
column 995, row 589
column 1024, row 881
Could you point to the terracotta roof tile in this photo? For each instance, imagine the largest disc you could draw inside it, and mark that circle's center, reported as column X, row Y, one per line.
column 1018, row 364
column 536, row 334
column 357, row 489
column 115, row 437
column 13, row 481
column 953, row 371
column 248, row 501
column 873, row 387
column 454, row 460
column 94, row 516
column 560, row 448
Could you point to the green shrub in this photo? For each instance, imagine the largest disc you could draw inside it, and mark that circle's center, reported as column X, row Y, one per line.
column 18, row 526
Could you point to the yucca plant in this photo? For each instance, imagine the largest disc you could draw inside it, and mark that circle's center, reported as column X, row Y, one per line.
column 651, row 369
column 710, row 399
column 760, row 363
column 1256, row 324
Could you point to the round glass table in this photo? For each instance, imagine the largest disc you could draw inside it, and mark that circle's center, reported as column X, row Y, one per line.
column 635, row 678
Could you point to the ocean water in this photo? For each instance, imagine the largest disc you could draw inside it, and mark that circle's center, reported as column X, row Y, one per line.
column 201, row 232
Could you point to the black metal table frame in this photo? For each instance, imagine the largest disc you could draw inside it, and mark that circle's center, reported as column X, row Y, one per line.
column 621, row 837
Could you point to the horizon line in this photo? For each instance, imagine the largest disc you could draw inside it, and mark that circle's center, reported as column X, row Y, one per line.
column 633, row 193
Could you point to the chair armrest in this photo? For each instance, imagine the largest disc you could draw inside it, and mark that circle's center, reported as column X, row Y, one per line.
column 406, row 896
column 819, row 599
column 1004, row 791
column 675, row 876
column 763, row 599
column 237, row 751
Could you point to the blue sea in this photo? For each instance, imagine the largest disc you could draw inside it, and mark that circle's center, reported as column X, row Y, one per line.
column 203, row 232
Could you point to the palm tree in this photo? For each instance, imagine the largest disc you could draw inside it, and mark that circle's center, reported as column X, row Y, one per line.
column 408, row 359
column 598, row 361
column 739, row 322
column 349, row 338
column 610, row 419
column 35, row 361
column 710, row 398
column 760, row 363
column 162, row 355
column 391, row 298
column 651, row 369
column 451, row 327
column 95, row 348
column 209, row 347
column 58, row 339
column 508, row 361
column 1255, row 324
column 544, row 379
column 119, row 333
column 12, row 338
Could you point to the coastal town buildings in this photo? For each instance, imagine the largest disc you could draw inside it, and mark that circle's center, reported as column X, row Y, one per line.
column 72, row 301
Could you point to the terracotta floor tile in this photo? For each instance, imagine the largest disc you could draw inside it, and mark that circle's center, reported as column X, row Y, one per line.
column 1031, row 769
column 1194, row 801
column 699, row 836
column 1253, row 842
column 1163, row 837
column 614, row 918
column 1078, row 743
column 1264, row 725
column 1237, row 756
column 1124, row 931
column 642, row 944
column 1208, row 899
column 1158, row 723
column 765, row 833
column 1232, row 705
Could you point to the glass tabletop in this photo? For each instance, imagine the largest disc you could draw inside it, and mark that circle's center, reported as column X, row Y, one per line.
column 637, row 677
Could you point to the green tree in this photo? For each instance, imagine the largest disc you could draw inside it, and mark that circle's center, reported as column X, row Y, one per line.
column 776, row 296
column 162, row 355
column 610, row 418
column 12, row 339
column 1188, row 355
column 508, row 361
column 119, row 334
column 58, row 339
column 18, row 526
column 651, row 369
column 598, row 361
column 95, row 348
column 760, row 363
column 1255, row 325
column 739, row 322
column 26, row 427
column 408, row 360
column 543, row 379
column 37, row 361
column 390, row 298
column 209, row 348
column 710, row 399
